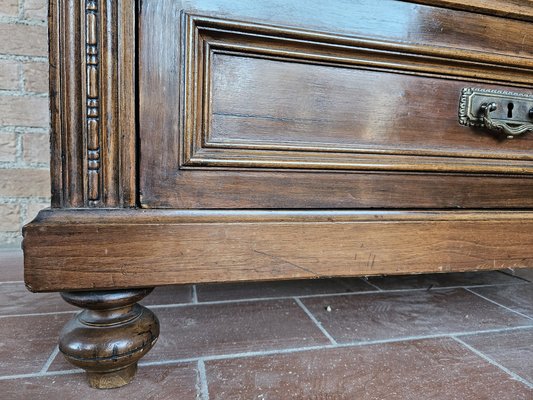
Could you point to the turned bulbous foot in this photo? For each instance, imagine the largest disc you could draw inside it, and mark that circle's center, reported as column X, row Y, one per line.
column 110, row 336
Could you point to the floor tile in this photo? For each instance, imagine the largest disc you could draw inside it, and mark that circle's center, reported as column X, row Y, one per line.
column 233, row 328
column 169, row 295
column 513, row 350
column 194, row 331
column 442, row 280
column 16, row 299
column 524, row 273
column 151, row 383
column 517, row 298
column 11, row 266
column 28, row 341
column 438, row 369
column 250, row 290
column 401, row 314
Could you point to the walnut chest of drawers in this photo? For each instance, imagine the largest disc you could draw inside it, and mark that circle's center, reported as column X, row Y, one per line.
column 215, row 141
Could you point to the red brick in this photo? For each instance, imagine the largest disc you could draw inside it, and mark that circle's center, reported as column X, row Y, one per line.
column 36, row 77
column 9, row 217
column 24, row 111
column 9, row 75
column 9, row 8
column 26, row 40
column 8, row 147
column 36, row 147
column 24, row 182
column 36, row 9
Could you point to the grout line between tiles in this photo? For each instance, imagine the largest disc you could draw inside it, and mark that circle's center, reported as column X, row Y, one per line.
column 514, row 276
column 315, row 321
column 247, row 354
column 10, row 282
column 495, row 330
column 38, row 314
column 306, row 296
column 328, row 346
column 522, row 282
column 493, row 362
column 204, row 388
column 194, row 295
column 50, row 360
column 172, row 361
column 280, row 351
column 41, row 374
column 501, row 305
column 243, row 300
column 310, row 296
column 365, row 279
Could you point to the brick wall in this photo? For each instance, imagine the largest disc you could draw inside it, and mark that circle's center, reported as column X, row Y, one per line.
column 24, row 119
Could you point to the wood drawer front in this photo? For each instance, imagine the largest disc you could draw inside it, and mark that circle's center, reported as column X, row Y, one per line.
column 261, row 100
column 238, row 107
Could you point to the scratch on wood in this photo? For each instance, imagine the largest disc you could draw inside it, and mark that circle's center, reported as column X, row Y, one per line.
column 371, row 260
column 287, row 262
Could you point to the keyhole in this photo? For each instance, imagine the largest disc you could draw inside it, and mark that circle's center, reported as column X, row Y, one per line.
column 510, row 107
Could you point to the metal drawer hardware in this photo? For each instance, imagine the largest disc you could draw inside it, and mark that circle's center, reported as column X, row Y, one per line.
column 504, row 113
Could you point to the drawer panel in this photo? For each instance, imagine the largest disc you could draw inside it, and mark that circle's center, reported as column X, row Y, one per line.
column 241, row 103
column 260, row 105
column 259, row 96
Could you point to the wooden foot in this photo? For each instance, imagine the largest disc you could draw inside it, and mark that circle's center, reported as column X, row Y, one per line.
column 109, row 337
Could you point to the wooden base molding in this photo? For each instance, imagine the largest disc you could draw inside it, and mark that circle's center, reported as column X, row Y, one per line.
column 110, row 336
column 111, row 249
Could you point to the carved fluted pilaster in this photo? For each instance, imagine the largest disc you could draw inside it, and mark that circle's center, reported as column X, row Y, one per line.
column 92, row 96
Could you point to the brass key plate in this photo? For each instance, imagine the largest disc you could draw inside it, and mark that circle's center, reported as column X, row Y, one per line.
column 502, row 112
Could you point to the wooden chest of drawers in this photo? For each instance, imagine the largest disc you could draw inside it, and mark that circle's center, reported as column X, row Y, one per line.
column 214, row 141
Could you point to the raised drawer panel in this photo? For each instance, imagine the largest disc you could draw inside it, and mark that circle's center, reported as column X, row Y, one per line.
column 270, row 97
column 245, row 106
column 316, row 107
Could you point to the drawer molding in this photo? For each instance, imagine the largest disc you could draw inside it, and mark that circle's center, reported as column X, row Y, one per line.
column 206, row 38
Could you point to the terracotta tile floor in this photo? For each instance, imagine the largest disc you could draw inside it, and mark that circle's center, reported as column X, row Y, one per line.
column 452, row 336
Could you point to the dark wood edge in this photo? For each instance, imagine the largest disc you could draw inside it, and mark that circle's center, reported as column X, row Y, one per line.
column 498, row 8
column 112, row 216
column 104, row 249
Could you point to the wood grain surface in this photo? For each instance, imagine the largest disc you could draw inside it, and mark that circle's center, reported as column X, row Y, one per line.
column 252, row 103
column 112, row 249
column 519, row 9
column 92, row 103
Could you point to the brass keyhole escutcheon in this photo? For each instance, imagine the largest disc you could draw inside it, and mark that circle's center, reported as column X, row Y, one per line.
column 503, row 113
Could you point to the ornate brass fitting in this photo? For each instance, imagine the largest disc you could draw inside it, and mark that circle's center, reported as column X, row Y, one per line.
column 504, row 113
